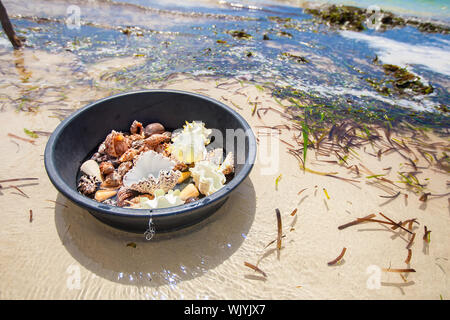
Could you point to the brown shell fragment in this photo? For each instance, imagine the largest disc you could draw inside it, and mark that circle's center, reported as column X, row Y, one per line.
column 100, row 157
column 191, row 199
column 124, row 167
column 115, row 144
column 154, row 140
column 106, row 168
column 162, row 148
column 154, row 128
column 136, row 128
column 112, row 180
column 125, row 194
column 87, row 185
column 129, row 155
column 180, row 166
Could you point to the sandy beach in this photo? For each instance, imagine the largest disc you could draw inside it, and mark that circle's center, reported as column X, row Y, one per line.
column 65, row 253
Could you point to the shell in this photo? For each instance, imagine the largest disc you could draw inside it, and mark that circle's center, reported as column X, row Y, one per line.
column 162, row 200
column 188, row 146
column 154, row 128
column 106, row 168
column 154, row 140
column 91, row 168
column 124, row 194
column 227, row 165
column 151, row 171
column 136, row 128
column 102, row 195
column 87, row 185
column 190, row 191
column 114, row 145
column 100, row 157
column 184, row 175
column 163, row 149
column 207, row 177
column 129, row 155
column 112, row 180
column 124, row 167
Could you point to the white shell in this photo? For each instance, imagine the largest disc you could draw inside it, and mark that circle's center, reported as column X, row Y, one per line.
column 207, row 177
column 91, row 168
column 227, row 165
column 151, row 171
column 188, row 146
column 162, row 200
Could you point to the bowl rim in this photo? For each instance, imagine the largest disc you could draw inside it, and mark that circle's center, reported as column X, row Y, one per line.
column 90, row 204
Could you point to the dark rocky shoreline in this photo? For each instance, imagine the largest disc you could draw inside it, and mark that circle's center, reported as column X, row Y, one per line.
column 353, row 18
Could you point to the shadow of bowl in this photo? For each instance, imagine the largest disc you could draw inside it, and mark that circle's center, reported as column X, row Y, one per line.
column 169, row 257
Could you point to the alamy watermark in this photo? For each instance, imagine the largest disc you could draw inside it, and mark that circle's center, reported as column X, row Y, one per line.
column 73, row 18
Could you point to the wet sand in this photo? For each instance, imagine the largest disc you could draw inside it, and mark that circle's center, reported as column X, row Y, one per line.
column 65, row 253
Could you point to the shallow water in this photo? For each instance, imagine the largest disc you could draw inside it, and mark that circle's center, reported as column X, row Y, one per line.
column 193, row 37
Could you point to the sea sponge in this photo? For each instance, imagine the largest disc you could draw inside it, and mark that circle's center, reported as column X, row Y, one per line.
column 162, row 200
column 188, row 146
column 207, row 177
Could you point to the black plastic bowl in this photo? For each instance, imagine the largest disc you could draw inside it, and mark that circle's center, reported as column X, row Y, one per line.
column 78, row 136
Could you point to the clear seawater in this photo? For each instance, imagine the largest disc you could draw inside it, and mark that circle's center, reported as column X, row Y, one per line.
column 182, row 36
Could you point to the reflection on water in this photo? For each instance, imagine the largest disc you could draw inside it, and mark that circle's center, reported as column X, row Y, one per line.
column 195, row 37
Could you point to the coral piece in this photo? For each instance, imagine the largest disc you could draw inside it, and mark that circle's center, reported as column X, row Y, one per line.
column 91, row 168
column 151, row 171
column 188, row 146
column 207, row 177
column 162, row 200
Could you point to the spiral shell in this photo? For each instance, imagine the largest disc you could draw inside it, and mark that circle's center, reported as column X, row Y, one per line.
column 125, row 194
column 114, row 145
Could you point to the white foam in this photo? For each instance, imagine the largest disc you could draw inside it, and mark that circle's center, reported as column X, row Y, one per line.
column 404, row 54
column 418, row 103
